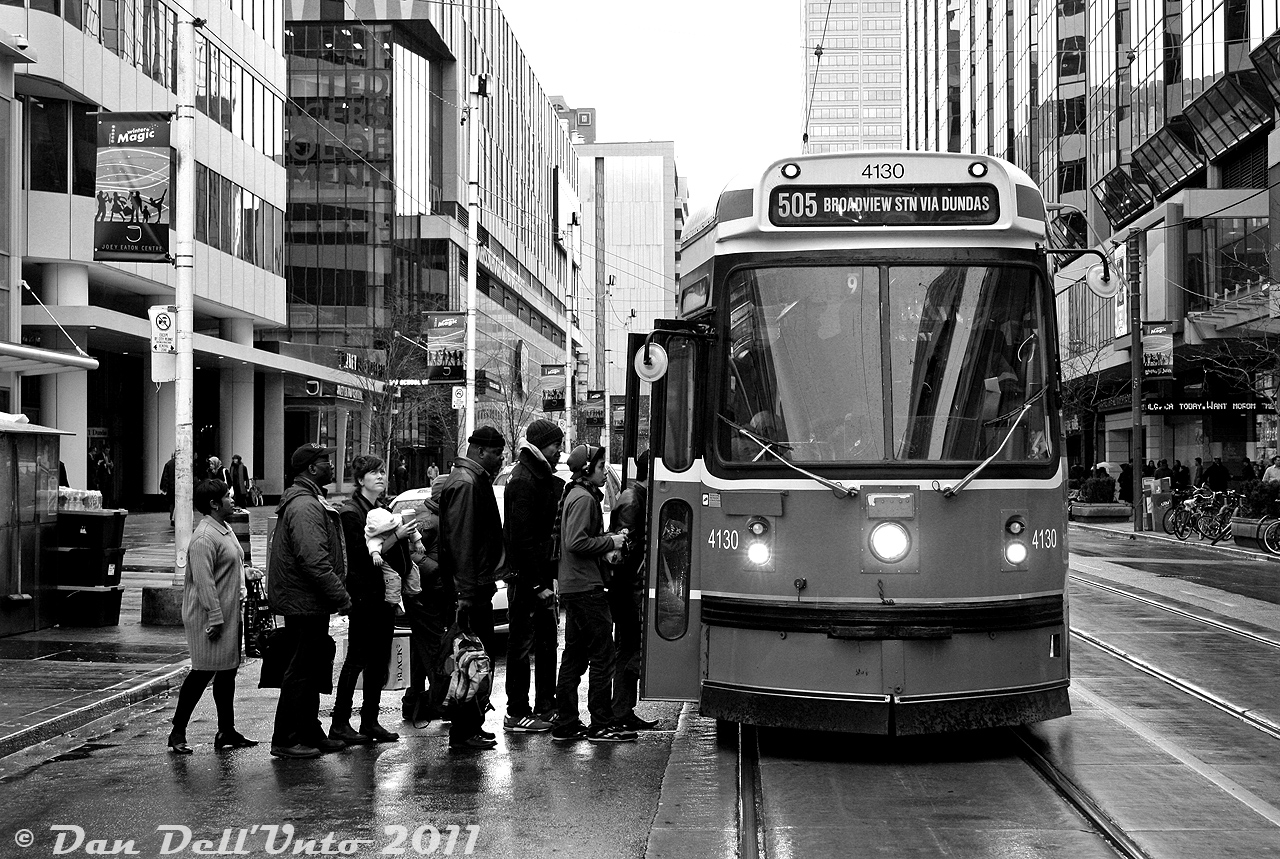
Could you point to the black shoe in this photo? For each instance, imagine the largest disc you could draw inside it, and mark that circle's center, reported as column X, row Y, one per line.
column 377, row 733
column 569, row 733
column 232, row 739
column 330, row 744
column 178, row 743
column 295, row 751
column 344, row 733
column 471, row 744
column 610, row 734
column 632, row 722
column 488, row 735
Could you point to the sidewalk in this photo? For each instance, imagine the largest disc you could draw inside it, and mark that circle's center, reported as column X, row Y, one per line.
column 1226, row 546
column 58, row 679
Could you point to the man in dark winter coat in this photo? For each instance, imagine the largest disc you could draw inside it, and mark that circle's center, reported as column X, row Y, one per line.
column 308, row 564
column 1216, row 476
column 626, row 597
column 531, row 498
column 470, row 555
column 429, row 614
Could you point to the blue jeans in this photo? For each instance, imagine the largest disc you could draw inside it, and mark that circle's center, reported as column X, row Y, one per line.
column 588, row 643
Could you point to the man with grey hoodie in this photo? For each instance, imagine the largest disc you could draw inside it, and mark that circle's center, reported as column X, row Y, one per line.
column 588, row 624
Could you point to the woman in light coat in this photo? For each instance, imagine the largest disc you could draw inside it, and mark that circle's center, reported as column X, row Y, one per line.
column 211, row 614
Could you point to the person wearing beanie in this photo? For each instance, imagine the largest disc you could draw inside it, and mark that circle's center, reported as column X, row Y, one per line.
column 308, row 560
column 531, row 499
column 588, row 624
column 372, row 617
column 429, row 614
column 471, row 553
column 626, row 596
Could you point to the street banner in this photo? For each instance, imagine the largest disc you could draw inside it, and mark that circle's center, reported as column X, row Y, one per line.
column 593, row 409
column 446, row 347
column 132, row 191
column 553, row 393
column 1157, row 350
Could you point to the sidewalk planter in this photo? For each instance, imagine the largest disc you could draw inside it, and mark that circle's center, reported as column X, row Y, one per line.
column 1247, row 532
column 1100, row 512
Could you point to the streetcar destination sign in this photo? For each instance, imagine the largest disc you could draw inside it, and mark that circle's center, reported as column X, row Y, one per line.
column 883, row 205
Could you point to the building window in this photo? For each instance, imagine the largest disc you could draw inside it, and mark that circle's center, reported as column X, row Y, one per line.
column 84, row 148
column 1223, row 255
column 1071, row 53
column 47, row 146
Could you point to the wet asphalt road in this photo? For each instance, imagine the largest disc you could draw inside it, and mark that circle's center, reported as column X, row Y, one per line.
column 530, row 797
column 1233, row 572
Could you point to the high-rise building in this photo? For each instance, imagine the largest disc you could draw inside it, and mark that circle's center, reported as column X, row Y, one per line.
column 853, row 81
column 1150, row 127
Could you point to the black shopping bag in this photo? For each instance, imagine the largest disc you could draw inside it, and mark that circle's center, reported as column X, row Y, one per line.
column 277, row 651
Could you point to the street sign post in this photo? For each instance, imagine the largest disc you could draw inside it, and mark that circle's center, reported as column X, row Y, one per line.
column 459, row 397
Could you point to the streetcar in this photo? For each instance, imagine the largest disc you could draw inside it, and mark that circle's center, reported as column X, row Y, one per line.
column 858, row 484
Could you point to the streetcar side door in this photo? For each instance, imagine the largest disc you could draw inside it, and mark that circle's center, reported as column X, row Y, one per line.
column 672, row 638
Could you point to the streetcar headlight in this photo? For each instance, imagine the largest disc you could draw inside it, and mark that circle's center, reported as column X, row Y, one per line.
column 1015, row 552
column 758, row 553
column 890, row 542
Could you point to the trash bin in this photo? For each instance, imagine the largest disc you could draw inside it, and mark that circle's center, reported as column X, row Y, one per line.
column 87, row 561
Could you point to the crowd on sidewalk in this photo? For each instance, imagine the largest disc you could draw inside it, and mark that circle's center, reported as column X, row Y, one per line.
column 437, row 569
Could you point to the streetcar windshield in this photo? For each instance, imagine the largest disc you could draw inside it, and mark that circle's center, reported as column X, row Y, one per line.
column 873, row 363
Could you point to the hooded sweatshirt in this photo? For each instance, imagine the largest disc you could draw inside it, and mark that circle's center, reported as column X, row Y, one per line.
column 583, row 541
column 531, row 499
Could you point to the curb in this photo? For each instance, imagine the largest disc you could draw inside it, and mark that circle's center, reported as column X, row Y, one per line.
column 1226, row 549
column 59, row 725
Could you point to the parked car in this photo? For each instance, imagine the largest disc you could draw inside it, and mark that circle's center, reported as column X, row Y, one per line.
column 611, row 489
column 415, row 500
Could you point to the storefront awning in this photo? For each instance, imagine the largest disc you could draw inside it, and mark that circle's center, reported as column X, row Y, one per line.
column 32, row 361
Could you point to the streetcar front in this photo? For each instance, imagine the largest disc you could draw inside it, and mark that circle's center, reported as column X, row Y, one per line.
column 858, row 489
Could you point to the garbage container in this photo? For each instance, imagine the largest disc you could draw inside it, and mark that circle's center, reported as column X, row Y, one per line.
column 87, row 561
column 239, row 522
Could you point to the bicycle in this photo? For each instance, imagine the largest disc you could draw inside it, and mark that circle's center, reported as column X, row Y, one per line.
column 1188, row 516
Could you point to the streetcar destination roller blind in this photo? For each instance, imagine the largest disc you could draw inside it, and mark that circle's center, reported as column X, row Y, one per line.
column 883, row 205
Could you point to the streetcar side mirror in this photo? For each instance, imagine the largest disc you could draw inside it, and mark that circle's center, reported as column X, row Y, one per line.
column 651, row 362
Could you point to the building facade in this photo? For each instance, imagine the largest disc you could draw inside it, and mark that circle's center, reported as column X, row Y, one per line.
column 853, row 82
column 1150, row 127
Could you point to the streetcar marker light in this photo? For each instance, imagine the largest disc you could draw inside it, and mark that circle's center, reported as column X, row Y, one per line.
column 890, row 542
column 758, row 553
column 1015, row 527
column 1015, row 553
column 977, row 170
column 791, row 170
column 757, row 527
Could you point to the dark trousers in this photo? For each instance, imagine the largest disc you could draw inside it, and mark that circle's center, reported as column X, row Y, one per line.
column 626, row 604
column 298, row 713
column 224, row 693
column 588, row 643
column 533, row 633
column 372, row 625
column 429, row 614
column 468, row 717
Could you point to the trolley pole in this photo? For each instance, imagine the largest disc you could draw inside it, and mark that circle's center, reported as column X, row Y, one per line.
column 479, row 89
column 184, row 211
column 1135, row 366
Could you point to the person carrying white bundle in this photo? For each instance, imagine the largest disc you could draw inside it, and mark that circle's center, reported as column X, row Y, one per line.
column 380, row 529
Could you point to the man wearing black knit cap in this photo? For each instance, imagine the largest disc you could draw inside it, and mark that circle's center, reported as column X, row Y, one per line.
column 471, row 553
column 531, row 498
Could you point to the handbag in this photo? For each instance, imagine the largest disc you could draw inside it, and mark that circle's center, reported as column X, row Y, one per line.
column 278, row 650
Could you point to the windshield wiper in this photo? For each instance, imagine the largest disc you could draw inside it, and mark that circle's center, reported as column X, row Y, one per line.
column 767, row 445
column 952, row 491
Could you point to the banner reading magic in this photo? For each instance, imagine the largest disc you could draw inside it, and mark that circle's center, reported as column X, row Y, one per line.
column 132, row 224
column 553, row 388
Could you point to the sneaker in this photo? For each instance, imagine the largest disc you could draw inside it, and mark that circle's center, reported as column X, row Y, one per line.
column 525, row 725
column 632, row 722
column 476, row 743
column 568, row 733
column 295, row 751
column 610, row 734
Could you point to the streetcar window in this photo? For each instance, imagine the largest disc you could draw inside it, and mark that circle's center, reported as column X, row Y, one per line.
column 966, row 350
column 677, row 446
column 804, row 367
column 675, row 562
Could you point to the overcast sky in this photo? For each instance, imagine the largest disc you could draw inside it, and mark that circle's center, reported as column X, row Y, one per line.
column 720, row 78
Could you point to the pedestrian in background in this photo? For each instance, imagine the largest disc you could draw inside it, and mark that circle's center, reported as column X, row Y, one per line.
column 1273, row 470
column 1181, row 475
column 167, row 483
column 239, row 474
column 211, row 597
column 429, row 614
column 1247, row 472
column 372, row 618
column 588, row 624
column 471, row 553
column 308, row 560
column 1216, row 476
column 626, row 597
column 531, row 499
column 1126, row 482
column 1197, row 474
column 402, row 477
column 217, row 471
column 432, row 473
